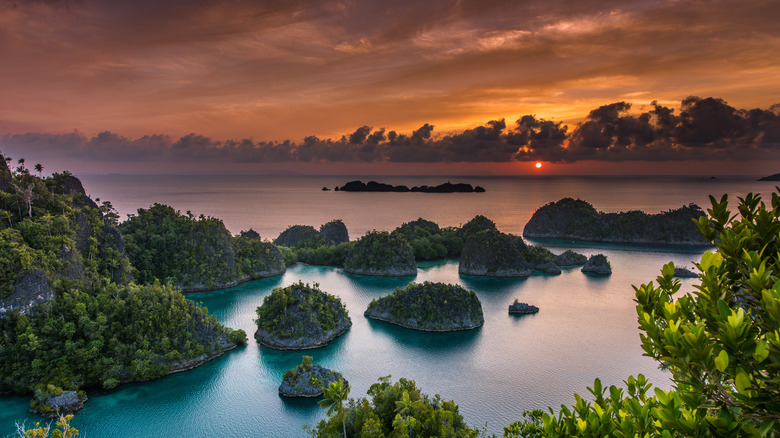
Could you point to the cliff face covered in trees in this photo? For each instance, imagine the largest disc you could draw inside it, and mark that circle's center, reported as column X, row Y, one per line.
column 300, row 317
column 429, row 306
column 194, row 253
column 69, row 316
column 380, row 253
column 577, row 219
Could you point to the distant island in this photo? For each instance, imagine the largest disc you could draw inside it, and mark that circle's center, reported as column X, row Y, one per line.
column 373, row 186
column 775, row 177
column 577, row 219
column 433, row 307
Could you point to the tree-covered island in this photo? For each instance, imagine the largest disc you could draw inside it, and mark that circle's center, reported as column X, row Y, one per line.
column 380, row 253
column 194, row 253
column 70, row 317
column 571, row 218
column 300, row 317
column 492, row 253
column 434, row 307
column 307, row 379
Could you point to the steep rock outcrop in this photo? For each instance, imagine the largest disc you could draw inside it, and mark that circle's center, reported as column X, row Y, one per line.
column 297, row 236
column 597, row 264
column 494, row 254
column 571, row 258
column 334, row 232
column 300, row 317
column 436, row 307
column 308, row 379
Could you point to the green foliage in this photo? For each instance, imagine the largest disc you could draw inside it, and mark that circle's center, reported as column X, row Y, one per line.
column 300, row 236
column 428, row 241
column 379, row 252
column 429, row 306
column 474, row 226
column 105, row 334
column 63, row 430
column 382, row 416
column 721, row 344
column 301, row 311
column 193, row 252
column 325, row 255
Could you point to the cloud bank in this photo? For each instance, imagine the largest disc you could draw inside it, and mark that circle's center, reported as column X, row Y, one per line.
column 700, row 129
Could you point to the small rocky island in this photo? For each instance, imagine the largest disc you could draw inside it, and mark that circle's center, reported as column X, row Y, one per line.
column 597, row 264
column 433, row 307
column 685, row 273
column 577, row 219
column 571, row 258
column 518, row 308
column 306, row 236
column 53, row 402
column 380, row 253
column 300, row 317
column 373, row 186
column 308, row 379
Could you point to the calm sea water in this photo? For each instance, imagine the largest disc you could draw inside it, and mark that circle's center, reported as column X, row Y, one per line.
column 586, row 327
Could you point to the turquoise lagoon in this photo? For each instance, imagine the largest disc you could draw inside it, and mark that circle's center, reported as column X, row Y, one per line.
column 586, row 327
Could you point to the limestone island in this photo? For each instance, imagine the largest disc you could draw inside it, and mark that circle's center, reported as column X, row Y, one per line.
column 577, row 219
column 373, row 186
column 308, row 379
column 306, row 236
column 432, row 307
column 491, row 253
column 597, row 264
column 775, row 177
column 53, row 402
column 195, row 253
column 300, row 317
column 518, row 308
column 379, row 253
column 570, row 258
column 68, row 284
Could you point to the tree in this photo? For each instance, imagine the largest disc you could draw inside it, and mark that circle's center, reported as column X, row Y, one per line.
column 65, row 430
column 721, row 344
column 39, row 169
column 404, row 408
column 334, row 397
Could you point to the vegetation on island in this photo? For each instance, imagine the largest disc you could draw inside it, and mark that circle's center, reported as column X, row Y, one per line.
column 577, row 219
column 720, row 344
column 428, row 241
column 69, row 316
column 308, row 379
column 597, row 264
column 194, row 253
column 430, row 307
column 495, row 254
column 300, row 236
column 398, row 409
column 381, row 253
column 299, row 317
column 327, row 247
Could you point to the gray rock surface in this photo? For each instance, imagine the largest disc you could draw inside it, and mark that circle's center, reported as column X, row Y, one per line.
column 303, row 384
column 597, row 264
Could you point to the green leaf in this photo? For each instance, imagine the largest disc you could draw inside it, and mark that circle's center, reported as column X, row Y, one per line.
column 762, row 351
column 668, row 269
column 722, row 361
column 743, row 383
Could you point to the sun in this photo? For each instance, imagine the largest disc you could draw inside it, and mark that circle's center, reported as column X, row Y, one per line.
column 538, row 164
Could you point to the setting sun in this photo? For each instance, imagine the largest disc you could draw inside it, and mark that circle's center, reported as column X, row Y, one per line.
column 538, row 164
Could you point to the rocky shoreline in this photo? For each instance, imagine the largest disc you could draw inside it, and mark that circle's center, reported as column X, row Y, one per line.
column 422, row 329
column 263, row 336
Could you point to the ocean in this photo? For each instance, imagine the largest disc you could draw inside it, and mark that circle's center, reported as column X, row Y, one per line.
column 586, row 327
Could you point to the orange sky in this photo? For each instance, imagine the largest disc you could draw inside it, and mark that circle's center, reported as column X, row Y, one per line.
column 277, row 70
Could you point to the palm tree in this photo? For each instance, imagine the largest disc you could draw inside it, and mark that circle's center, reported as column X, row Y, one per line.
column 335, row 395
column 405, row 406
column 39, row 169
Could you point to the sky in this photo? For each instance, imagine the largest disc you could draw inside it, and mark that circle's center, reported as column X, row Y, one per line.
column 376, row 86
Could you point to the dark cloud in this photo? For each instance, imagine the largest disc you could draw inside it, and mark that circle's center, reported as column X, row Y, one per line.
column 700, row 129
